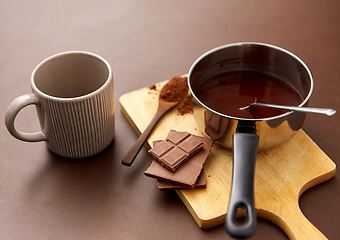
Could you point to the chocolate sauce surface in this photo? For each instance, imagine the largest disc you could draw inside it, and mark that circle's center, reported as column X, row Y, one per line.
column 227, row 92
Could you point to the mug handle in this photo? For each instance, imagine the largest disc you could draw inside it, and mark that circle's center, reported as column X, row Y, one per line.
column 12, row 111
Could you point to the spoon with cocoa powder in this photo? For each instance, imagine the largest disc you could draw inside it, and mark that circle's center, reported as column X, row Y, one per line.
column 171, row 94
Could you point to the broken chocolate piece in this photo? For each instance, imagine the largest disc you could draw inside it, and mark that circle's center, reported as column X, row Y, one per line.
column 215, row 125
column 175, row 149
column 200, row 183
column 189, row 171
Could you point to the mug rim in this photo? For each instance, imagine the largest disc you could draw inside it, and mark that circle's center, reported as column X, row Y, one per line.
column 45, row 95
column 305, row 100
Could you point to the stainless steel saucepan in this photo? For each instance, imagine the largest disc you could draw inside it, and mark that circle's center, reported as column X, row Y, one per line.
column 248, row 136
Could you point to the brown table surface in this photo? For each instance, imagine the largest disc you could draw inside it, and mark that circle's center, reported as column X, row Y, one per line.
column 43, row 196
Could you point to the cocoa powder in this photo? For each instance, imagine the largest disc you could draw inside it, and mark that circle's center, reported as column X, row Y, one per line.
column 175, row 90
column 186, row 108
column 153, row 87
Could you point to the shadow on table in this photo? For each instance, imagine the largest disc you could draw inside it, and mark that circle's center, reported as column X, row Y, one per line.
column 74, row 187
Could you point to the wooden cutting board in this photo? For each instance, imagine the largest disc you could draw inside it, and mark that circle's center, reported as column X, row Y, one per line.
column 281, row 174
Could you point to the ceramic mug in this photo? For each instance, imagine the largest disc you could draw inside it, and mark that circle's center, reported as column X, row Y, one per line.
column 74, row 97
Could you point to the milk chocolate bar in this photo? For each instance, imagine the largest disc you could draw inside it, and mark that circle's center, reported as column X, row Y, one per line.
column 176, row 137
column 172, row 159
column 191, row 145
column 161, row 148
column 188, row 172
column 200, row 183
column 175, row 149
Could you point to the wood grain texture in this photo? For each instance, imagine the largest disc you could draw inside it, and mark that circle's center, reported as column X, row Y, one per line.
column 281, row 176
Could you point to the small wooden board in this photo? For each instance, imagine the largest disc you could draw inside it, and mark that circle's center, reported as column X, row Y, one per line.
column 281, row 176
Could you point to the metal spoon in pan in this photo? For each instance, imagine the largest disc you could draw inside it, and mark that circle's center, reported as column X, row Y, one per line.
column 328, row 112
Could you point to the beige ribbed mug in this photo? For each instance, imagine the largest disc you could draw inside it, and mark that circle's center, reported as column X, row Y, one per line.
column 74, row 97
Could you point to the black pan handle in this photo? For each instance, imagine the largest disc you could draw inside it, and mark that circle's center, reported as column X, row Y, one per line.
column 245, row 143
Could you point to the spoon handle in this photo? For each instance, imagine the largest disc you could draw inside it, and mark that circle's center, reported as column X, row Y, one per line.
column 131, row 155
column 326, row 111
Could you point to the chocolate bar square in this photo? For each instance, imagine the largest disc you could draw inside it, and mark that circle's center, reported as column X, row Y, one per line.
column 176, row 137
column 191, row 145
column 172, row 159
column 161, row 148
